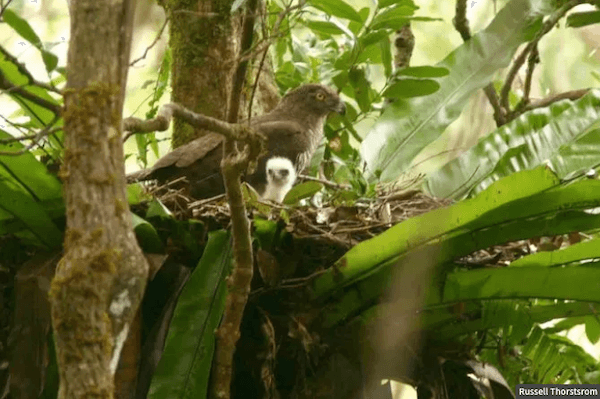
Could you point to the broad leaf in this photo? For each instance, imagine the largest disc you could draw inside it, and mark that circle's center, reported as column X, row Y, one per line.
column 184, row 369
column 578, row 19
column 338, row 8
column 563, row 136
column 22, row 27
column 407, row 126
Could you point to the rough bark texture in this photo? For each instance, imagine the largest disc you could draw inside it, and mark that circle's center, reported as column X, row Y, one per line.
column 204, row 38
column 101, row 278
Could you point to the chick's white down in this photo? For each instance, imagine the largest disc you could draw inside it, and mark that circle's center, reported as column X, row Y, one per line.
column 281, row 176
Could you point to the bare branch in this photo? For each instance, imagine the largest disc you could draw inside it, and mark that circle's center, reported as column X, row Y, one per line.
column 545, row 102
column 156, row 39
column 233, row 165
column 534, row 58
column 24, row 71
column 48, row 130
column 325, row 182
column 8, row 87
column 461, row 23
column 4, row 7
column 550, row 22
column 161, row 122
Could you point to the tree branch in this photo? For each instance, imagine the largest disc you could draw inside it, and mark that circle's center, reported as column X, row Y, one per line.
column 544, row 102
column 233, row 131
column 234, row 163
column 550, row 22
column 48, row 130
column 24, row 71
column 156, row 39
column 461, row 23
column 7, row 86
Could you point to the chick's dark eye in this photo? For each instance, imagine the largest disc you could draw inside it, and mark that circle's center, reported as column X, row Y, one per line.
column 284, row 173
column 320, row 96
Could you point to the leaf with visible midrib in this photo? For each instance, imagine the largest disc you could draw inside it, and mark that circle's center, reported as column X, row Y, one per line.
column 184, row 368
column 409, row 125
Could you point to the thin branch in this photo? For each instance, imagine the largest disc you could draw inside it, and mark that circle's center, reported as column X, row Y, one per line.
column 156, row 39
column 550, row 22
column 232, row 131
column 567, row 95
column 461, row 23
column 325, row 182
column 534, row 58
column 48, row 130
column 233, row 165
column 7, row 86
column 4, row 7
column 24, row 71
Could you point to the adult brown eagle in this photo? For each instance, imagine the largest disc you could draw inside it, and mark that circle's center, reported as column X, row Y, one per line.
column 294, row 129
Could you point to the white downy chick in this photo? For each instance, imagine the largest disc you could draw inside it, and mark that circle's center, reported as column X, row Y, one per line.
column 281, row 176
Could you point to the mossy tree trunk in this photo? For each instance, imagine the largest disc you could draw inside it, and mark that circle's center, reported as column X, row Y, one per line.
column 204, row 39
column 100, row 280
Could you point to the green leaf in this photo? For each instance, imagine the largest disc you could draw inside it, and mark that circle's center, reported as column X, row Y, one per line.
column 326, row 28
column 564, row 136
column 19, row 203
column 394, row 17
column 572, row 254
column 337, row 8
column 592, row 328
column 184, row 368
column 386, row 56
column 387, row 247
column 406, row 88
column 386, row 3
column 424, row 72
column 361, row 86
column 526, row 282
column 158, row 209
column 301, row 191
column 408, row 126
column 579, row 19
column 29, row 172
column 40, row 116
column 147, row 236
column 22, row 27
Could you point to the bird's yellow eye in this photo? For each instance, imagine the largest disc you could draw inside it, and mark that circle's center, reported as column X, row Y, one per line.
column 320, row 96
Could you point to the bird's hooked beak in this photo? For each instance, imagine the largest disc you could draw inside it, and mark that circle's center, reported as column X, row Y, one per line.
column 340, row 108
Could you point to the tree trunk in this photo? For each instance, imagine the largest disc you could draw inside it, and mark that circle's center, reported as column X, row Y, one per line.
column 101, row 278
column 204, row 39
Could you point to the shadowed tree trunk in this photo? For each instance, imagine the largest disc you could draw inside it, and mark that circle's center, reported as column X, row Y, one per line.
column 101, row 278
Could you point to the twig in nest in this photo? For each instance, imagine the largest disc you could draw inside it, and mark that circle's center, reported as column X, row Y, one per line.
column 326, row 182
column 197, row 204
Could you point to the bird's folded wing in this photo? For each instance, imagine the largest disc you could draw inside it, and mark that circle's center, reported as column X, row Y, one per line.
column 189, row 153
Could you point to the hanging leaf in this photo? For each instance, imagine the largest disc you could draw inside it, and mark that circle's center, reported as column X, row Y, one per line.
column 337, row 8
column 22, row 27
column 406, row 88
